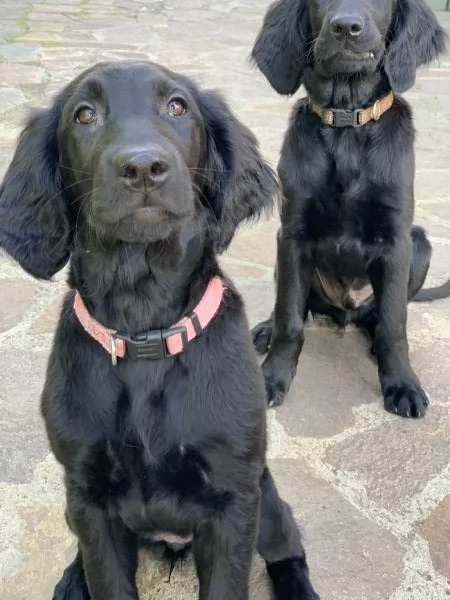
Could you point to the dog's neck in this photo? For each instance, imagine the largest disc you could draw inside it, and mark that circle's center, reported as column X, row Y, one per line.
column 135, row 288
column 348, row 92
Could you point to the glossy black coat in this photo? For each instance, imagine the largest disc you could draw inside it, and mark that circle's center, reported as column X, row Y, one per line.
column 140, row 179
column 348, row 193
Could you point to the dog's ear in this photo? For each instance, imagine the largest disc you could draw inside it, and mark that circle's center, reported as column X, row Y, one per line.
column 34, row 224
column 238, row 185
column 281, row 46
column 415, row 39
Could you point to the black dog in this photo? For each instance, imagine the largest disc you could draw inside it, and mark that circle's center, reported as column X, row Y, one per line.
column 346, row 247
column 141, row 178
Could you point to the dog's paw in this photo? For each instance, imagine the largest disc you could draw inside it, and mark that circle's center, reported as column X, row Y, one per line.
column 290, row 580
column 406, row 398
column 72, row 585
column 262, row 335
column 278, row 373
column 276, row 391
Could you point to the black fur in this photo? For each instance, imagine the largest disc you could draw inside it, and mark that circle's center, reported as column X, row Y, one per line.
column 348, row 198
column 141, row 197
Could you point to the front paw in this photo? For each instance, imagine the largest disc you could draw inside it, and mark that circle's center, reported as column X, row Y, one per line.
column 290, row 580
column 276, row 391
column 278, row 381
column 67, row 589
column 262, row 335
column 72, row 585
column 405, row 398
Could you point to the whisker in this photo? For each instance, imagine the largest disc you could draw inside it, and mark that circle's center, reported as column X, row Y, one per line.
column 75, row 170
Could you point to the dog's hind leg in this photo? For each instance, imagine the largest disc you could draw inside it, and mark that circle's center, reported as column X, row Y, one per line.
column 72, row 585
column 262, row 335
column 280, row 545
column 262, row 332
column 366, row 316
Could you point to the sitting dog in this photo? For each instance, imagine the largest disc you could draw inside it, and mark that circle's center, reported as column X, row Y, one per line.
column 346, row 246
column 154, row 402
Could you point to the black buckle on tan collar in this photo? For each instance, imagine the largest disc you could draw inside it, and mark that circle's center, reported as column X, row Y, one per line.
column 338, row 117
column 346, row 118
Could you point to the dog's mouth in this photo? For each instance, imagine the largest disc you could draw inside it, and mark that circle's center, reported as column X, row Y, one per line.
column 349, row 61
column 148, row 216
column 151, row 215
column 142, row 224
column 357, row 56
column 149, row 223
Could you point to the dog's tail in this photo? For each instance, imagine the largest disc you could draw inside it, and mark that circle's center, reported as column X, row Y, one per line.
column 435, row 293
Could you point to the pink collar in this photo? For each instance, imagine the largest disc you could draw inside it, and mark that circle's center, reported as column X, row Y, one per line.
column 159, row 343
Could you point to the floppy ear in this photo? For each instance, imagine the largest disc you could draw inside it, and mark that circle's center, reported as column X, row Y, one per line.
column 34, row 225
column 238, row 184
column 416, row 38
column 281, row 45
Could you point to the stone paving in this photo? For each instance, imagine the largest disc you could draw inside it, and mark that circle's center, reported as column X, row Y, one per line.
column 370, row 490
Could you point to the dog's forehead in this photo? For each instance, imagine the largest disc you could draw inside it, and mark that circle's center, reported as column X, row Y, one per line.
column 351, row 5
column 127, row 77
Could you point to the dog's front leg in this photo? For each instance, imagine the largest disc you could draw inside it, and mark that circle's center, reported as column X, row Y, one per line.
column 279, row 543
column 389, row 275
column 109, row 553
column 223, row 550
column 295, row 271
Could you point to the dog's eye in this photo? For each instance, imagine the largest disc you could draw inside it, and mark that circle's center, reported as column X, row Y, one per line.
column 85, row 115
column 177, row 107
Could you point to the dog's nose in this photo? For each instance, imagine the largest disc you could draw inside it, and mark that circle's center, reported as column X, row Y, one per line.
column 346, row 25
column 142, row 166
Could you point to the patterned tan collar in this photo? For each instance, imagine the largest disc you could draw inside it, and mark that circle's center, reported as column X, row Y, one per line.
column 336, row 117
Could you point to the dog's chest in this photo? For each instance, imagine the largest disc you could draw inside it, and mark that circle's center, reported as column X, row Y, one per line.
column 166, row 462
column 348, row 214
column 159, row 497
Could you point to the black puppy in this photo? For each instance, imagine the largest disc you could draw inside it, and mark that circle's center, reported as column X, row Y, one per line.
column 346, row 247
column 139, row 178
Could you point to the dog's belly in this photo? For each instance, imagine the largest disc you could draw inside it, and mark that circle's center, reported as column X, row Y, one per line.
column 342, row 294
column 169, row 499
column 171, row 538
column 343, row 257
column 341, row 277
column 163, row 518
column 157, row 520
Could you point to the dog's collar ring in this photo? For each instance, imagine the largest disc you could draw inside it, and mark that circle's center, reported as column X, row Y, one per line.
column 113, row 350
column 377, row 111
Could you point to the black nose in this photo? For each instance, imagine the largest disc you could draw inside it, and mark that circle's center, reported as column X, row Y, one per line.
column 346, row 25
column 142, row 166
